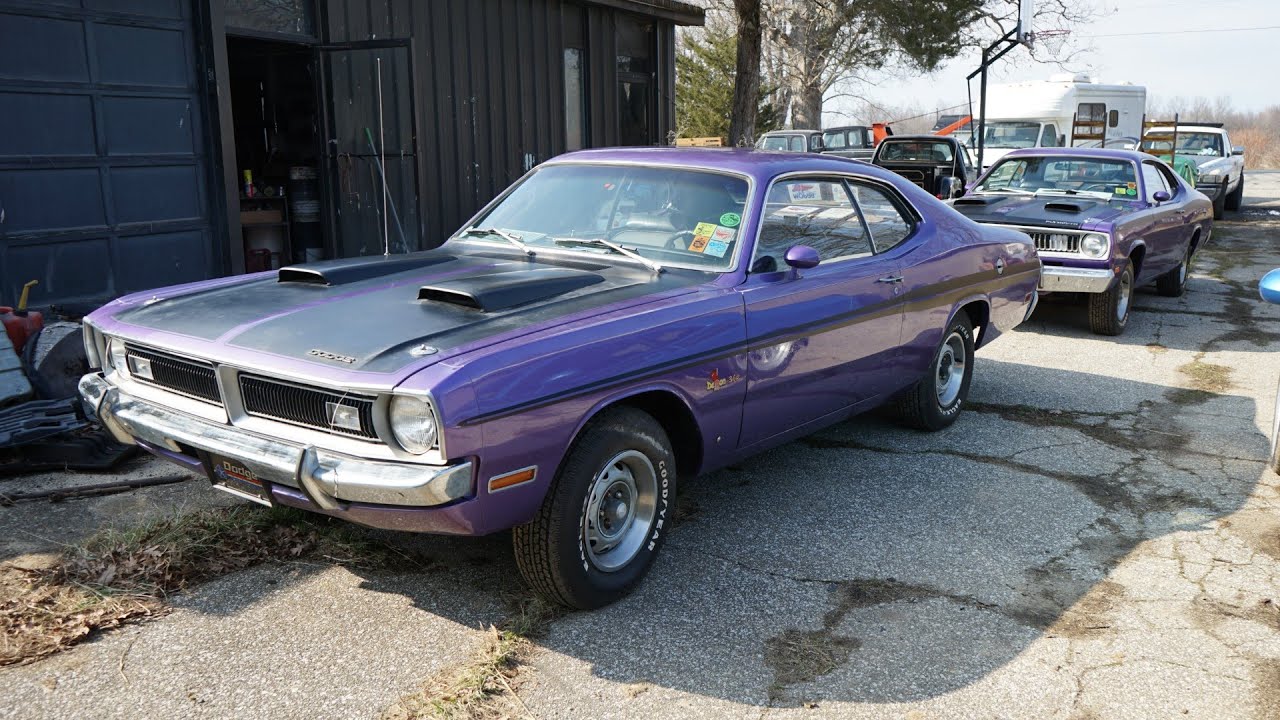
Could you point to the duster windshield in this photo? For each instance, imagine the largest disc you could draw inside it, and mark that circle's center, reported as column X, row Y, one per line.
column 1055, row 175
column 671, row 216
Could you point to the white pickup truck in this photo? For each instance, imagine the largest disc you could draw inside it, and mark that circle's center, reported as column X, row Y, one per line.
column 1220, row 165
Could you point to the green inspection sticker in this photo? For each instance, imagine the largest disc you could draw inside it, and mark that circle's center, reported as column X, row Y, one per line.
column 730, row 219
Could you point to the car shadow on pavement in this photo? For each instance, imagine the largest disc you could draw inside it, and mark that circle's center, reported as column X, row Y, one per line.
column 876, row 564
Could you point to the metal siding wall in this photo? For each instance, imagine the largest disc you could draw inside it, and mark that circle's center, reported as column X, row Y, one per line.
column 103, row 156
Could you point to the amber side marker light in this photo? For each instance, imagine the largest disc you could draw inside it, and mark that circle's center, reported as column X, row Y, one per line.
column 511, row 479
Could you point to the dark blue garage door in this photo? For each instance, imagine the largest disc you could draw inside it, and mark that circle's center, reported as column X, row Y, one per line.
column 102, row 150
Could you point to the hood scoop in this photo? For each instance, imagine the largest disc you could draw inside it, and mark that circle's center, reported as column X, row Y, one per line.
column 499, row 291
column 342, row 272
column 1066, row 207
column 970, row 201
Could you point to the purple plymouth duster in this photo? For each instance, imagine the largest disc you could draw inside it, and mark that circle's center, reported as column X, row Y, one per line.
column 1104, row 222
column 613, row 322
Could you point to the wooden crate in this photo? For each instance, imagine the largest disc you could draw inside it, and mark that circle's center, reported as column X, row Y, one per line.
column 700, row 142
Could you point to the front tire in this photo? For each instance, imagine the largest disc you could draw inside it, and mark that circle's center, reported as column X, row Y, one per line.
column 1236, row 198
column 605, row 517
column 1219, row 205
column 936, row 399
column 1109, row 311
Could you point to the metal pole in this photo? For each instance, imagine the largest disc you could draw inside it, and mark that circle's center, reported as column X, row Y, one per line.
column 982, row 109
column 382, row 160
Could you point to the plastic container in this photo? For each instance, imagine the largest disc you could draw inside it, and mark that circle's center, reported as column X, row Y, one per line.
column 20, row 324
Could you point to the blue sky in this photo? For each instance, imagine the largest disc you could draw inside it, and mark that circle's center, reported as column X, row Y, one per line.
column 1241, row 64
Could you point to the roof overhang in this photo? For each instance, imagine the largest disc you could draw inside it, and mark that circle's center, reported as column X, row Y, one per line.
column 680, row 13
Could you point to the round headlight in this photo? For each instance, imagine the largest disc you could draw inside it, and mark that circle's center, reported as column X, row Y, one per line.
column 116, row 359
column 413, row 423
column 1094, row 245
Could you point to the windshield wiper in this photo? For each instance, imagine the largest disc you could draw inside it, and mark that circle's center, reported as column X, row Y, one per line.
column 1016, row 191
column 510, row 237
column 601, row 242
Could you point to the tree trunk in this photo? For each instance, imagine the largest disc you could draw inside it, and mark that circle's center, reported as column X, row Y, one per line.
column 746, row 83
column 806, row 107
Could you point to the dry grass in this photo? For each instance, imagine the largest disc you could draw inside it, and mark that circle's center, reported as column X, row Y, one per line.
column 118, row 576
column 1207, row 377
column 484, row 688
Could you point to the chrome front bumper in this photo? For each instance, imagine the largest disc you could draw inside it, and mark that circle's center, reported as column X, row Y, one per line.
column 329, row 479
column 1055, row 278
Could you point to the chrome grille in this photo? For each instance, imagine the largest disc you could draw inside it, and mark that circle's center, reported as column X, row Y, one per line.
column 304, row 406
column 1053, row 240
column 193, row 378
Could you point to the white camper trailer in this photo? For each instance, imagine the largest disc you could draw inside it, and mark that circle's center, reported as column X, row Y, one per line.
column 1040, row 113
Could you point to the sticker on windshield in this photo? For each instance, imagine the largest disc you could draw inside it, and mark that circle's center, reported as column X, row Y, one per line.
column 704, row 229
column 699, row 243
column 730, row 219
column 724, row 235
column 1122, row 191
column 1132, row 191
column 717, row 248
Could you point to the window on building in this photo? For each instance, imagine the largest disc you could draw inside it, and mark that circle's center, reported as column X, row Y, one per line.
column 575, row 100
column 1113, row 118
column 636, row 102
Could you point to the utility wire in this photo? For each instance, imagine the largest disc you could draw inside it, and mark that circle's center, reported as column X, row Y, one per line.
column 1184, row 32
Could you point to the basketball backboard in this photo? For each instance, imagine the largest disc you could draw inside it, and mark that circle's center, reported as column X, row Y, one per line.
column 1026, row 13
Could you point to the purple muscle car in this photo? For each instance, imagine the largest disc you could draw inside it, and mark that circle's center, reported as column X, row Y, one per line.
column 1104, row 222
column 615, row 321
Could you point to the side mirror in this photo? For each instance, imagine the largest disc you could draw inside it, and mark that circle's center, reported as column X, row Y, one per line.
column 1269, row 288
column 1237, row 150
column 949, row 187
column 802, row 257
column 1162, row 196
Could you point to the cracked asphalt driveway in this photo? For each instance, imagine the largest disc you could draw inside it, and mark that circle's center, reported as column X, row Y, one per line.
column 1097, row 537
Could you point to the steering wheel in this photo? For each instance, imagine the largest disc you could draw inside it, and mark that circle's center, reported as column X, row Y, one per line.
column 671, row 243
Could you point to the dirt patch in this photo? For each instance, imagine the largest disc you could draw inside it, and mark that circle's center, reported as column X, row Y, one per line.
column 1088, row 616
column 1207, row 377
column 1260, row 529
column 487, row 686
column 1156, row 348
column 797, row 656
column 122, row 575
column 1266, row 689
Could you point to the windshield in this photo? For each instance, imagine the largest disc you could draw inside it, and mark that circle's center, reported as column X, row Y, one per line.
column 1052, row 175
column 1199, row 143
column 1011, row 134
column 675, row 217
column 917, row 151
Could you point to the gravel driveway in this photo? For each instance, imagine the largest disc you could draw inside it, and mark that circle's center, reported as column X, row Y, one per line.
column 1098, row 536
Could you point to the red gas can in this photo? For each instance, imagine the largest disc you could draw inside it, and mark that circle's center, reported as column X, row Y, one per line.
column 21, row 324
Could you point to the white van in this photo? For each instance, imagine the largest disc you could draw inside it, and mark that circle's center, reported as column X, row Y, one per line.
column 1039, row 113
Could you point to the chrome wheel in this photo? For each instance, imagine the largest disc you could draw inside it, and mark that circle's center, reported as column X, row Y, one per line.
column 1122, row 302
column 620, row 510
column 950, row 369
column 1182, row 270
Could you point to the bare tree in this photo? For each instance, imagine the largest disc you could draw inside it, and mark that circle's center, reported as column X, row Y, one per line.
column 746, row 82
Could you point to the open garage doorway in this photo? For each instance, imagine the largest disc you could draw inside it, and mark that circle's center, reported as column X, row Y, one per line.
column 275, row 111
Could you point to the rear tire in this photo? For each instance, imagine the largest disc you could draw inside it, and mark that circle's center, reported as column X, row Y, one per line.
column 1109, row 311
column 936, row 399
column 1236, row 198
column 604, row 517
column 1174, row 282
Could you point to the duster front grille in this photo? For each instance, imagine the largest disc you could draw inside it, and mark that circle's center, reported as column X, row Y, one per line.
column 1053, row 240
column 193, row 378
column 304, row 406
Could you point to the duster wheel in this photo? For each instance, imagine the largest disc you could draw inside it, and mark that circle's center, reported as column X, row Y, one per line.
column 606, row 514
column 936, row 399
column 1109, row 311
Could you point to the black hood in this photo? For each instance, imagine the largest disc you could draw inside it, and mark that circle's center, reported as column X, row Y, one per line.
column 1063, row 211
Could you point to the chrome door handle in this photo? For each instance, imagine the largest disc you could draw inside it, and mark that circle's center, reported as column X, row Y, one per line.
column 999, row 266
column 890, row 279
